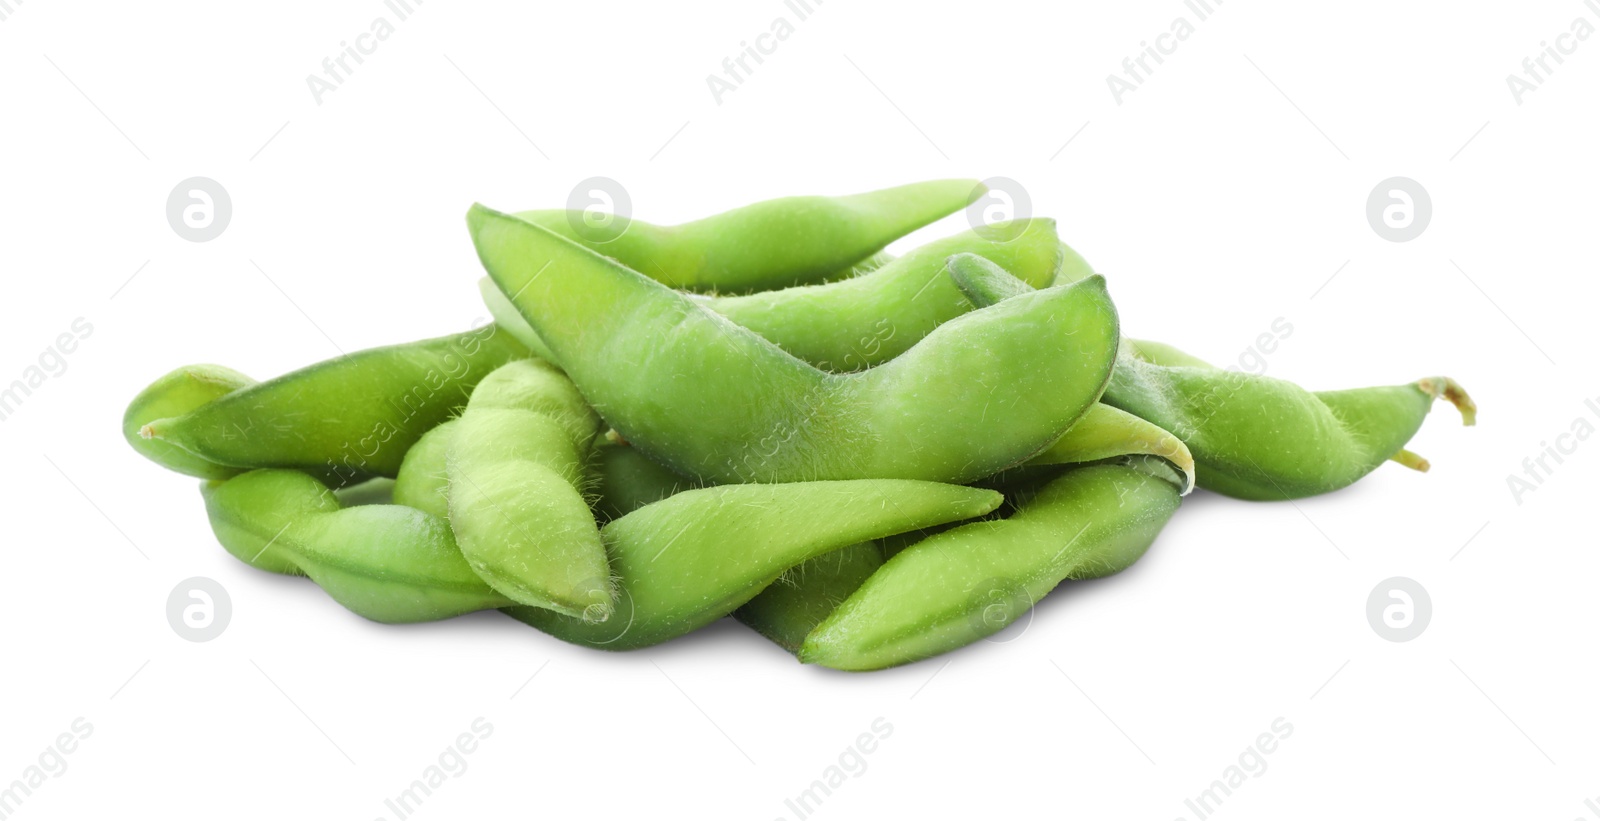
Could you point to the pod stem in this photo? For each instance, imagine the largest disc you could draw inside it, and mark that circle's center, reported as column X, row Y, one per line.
column 1411, row 460
column 1443, row 387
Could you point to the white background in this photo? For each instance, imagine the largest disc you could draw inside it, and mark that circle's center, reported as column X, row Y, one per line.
column 1219, row 196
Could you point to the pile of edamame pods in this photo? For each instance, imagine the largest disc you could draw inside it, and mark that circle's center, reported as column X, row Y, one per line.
column 868, row 459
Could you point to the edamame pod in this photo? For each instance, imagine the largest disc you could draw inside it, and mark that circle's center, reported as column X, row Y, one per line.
column 507, row 319
column 1073, row 267
column 388, row 563
column 516, row 461
column 689, row 560
column 716, row 401
column 628, row 480
column 347, row 418
column 1160, row 353
column 176, row 394
column 1106, row 433
column 791, row 606
column 868, row 319
column 959, row 586
column 1254, row 437
column 805, row 595
column 378, row 490
column 1103, row 432
column 771, row 244
column 424, row 481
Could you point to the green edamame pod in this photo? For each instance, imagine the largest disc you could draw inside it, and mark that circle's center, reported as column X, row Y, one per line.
column 423, row 481
column 771, row 244
column 791, row 606
column 716, row 401
column 508, row 320
column 868, row 320
column 1106, row 432
column 805, row 595
column 628, row 480
column 871, row 318
column 892, row 545
column 788, row 608
column 689, row 560
column 348, row 418
column 180, row 392
column 863, row 267
column 516, row 461
column 1073, row 267
column 1255, row 437
column 388, row 563
column 378, row 490
column 983, row 282
column 959, row 586
column 1160, row 353
column 1103, row 432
